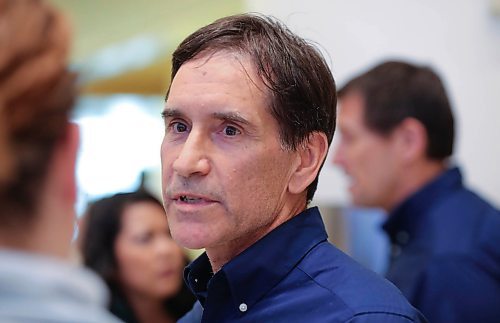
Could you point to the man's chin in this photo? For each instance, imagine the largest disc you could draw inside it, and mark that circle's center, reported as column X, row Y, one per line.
column 358, row 201
column 191, row 245
column 363, row 203
column 189, row 239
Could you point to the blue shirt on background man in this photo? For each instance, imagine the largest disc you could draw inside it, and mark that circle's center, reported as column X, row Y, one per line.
column 294, row 274
column 446, row 252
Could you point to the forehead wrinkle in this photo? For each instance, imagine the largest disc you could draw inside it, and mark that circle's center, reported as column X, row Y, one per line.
column 241, row 59
column 257, row 83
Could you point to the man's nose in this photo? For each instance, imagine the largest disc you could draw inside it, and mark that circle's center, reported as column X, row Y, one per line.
column 193, row 159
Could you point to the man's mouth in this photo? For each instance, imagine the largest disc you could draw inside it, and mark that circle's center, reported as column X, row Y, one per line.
column 190, row 199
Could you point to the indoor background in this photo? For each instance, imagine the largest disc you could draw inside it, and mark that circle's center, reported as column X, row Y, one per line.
column 122, row 51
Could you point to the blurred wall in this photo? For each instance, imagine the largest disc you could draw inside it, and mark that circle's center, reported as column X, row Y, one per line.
column 97, row 23
column 460, row 39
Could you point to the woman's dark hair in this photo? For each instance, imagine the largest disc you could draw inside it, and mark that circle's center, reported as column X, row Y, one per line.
column 394, row 91
column 301, row 87
column 101, row 226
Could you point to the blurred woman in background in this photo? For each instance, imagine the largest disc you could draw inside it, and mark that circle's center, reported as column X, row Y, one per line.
column 125, row 238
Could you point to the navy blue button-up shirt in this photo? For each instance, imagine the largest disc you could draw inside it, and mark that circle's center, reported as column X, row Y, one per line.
column 446, row 252
column 294, row 274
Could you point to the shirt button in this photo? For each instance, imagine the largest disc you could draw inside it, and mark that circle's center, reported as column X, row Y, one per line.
column 243, row 307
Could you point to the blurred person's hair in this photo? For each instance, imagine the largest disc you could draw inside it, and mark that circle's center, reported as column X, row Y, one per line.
column 394, row 91
column 302, row 93
column 37, row 93
column 101, row 225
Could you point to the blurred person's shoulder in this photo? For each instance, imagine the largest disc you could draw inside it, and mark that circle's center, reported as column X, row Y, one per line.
column 346, row 283
column 472, row 224
column 38, row 288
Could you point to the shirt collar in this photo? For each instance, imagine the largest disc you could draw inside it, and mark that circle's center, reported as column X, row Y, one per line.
column 197, row 275
column 406, row 219
column 259, row 268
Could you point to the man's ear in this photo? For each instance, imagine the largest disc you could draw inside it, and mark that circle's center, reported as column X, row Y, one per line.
column 411, row 139
column 311, row 156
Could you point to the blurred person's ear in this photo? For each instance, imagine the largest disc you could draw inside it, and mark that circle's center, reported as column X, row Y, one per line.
column 63, row 166
column 311, row 155
column 60, row 183
column 56, row 212
column 411, row 138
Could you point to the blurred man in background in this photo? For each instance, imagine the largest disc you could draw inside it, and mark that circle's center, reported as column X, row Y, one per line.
column 397, row 133
column 38, row 147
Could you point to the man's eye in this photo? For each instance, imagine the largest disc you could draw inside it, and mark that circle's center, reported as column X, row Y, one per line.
column 231, row 131
column 178, row 127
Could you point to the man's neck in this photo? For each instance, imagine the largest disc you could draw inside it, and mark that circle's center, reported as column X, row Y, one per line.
column 413, row 179
column 37, row 236
column 220, row 255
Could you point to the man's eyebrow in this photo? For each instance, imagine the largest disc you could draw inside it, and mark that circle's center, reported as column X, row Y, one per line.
column 170, row 113
column 224, row 116
column 231, row 116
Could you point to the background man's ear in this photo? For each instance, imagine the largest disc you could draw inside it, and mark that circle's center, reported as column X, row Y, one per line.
column 311, row 156
column 412, row 139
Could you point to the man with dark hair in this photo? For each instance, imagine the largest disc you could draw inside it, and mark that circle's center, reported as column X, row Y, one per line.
column 249, row 117
column 38, row 147
column 397, row 132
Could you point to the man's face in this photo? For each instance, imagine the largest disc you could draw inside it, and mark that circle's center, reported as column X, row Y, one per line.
column 224, row 172
column 368, row 158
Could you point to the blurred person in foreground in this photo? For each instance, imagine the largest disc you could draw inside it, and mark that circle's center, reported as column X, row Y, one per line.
column 38, row 147
column 249, row 117
column 397, row 134
column 125, row 238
